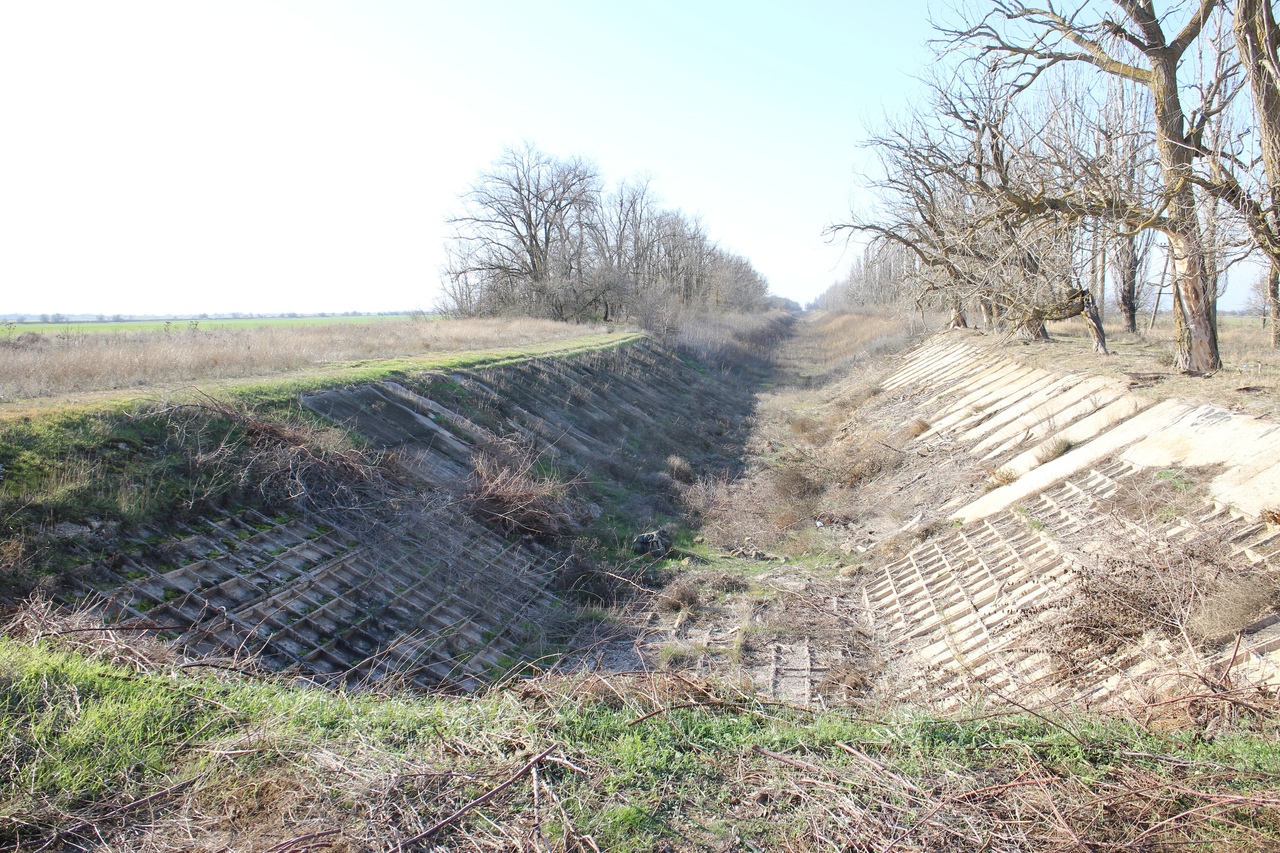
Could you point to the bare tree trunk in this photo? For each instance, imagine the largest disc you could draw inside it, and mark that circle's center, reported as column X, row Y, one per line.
column 1164, row 279
column 1196, row 334
column 1099, row 288
column 1194, row 331
column 1258, row 45
column 1126, row 264
column 988, row 312
column 1032, row 327
column 1093, row 319
column 1273, row 303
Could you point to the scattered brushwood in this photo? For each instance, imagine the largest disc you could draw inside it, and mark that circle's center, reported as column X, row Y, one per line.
column 81, row 631
column 508, row 489
column 797, row 483
column 1163, row 496
column 1133, row 583
column 858, row 460
column 657, row 761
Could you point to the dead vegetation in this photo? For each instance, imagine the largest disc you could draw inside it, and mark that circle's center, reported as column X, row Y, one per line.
column 76, row 362
column 508, row 490
column 1134, row 583
column 297, row 463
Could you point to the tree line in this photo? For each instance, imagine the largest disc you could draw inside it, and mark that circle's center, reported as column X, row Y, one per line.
column 542, row 236
column 1061, row 144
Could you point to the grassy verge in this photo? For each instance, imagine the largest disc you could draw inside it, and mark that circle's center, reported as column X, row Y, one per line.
column 96, row 737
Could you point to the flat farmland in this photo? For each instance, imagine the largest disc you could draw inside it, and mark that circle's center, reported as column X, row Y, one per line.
column 88, row 358
column 11, row 330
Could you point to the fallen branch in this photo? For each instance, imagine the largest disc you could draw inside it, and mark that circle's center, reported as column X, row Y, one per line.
column 651, row 714
column 478, row 801
column 292, row 843
column 116, row 812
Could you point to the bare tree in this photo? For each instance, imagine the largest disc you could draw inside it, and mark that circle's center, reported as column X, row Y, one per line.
column 960, row 186
column 1126, row 39
column 1126, row 152
column 539, row 236
column 517, row 241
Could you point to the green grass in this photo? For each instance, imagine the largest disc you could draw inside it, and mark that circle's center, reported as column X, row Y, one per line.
column 79, row 735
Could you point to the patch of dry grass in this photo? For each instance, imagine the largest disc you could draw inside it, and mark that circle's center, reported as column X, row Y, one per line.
column 508, row 490
column 817, row 439
column 1249, row 380
column 52, row 365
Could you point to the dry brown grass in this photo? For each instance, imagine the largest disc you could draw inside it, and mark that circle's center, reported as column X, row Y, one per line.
column 507, row 489
column 1249, row 380
column 818, row 438
column 831, row 342
column 52, row 365
column 917, row 428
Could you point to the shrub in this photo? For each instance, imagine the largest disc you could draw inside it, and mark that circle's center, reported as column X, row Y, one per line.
column 505, row 489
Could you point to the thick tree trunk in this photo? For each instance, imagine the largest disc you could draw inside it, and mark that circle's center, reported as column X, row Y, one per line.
column 1273, row 303
column 1093, row 320
column 1032, row 328
column 1258, row 45
column 1126, row 264
column 1197, row 336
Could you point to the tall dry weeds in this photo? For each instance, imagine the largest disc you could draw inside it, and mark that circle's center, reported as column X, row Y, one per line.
column 507, row 490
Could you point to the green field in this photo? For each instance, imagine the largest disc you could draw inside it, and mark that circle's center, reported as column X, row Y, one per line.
column 205, row 324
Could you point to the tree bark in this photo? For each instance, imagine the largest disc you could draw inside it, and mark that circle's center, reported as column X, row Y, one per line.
column 1197, row 336
column 1126, row 264
column 1273, row 303
column 1258, row 44
column 1093, row 320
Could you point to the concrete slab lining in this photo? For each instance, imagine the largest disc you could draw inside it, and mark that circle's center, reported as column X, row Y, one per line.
column 959, row 605
column 975, row 384
column 1112, row 413
column 1057, row 470
column 1002, row 413
column 1057, row 423
column 1042, row 408
column 958, row 410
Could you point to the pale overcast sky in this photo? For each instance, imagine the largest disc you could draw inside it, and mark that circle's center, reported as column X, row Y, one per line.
column 302, row 155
